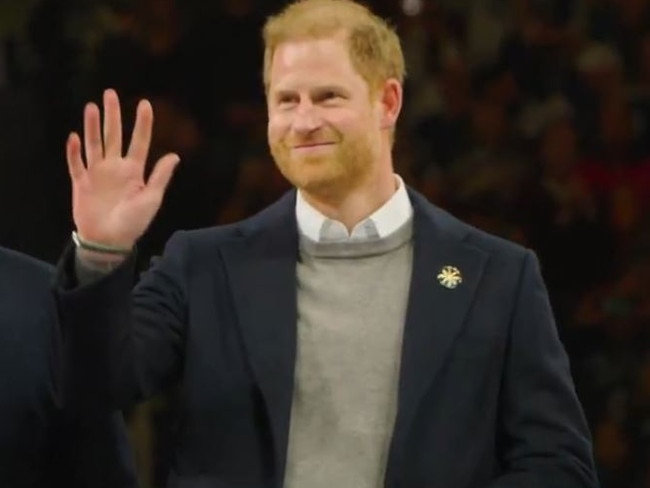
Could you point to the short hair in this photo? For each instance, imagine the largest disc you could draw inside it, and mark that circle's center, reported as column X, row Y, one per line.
column 374, row 46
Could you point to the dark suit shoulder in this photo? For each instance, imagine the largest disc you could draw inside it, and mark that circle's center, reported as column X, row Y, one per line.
column 215, row 236
column 19, row 271
column 454, row 228
column 489, row 242
column 17, row 261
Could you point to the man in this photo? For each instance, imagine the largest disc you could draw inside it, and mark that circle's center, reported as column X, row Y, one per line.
column 350, row 335
column 42, row 444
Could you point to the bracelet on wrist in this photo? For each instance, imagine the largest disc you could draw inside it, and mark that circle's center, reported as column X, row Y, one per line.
column 99, row 248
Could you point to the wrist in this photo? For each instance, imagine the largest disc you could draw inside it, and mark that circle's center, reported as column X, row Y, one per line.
column 99, row 249
column 98, row 261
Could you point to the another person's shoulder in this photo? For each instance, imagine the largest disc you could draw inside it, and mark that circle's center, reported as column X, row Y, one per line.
column 25, row 284
column 17, row 266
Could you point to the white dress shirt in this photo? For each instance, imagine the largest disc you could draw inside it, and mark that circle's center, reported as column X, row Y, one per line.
column 381, row 223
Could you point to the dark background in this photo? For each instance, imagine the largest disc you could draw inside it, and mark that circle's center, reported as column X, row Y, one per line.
column 530, row 119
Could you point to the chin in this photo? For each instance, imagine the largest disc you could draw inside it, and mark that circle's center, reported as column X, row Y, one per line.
column 330, row 186
column 314, row 183
column 308, row 175
column 321, row 177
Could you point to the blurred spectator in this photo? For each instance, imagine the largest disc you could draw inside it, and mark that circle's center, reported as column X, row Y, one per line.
column 441, row 130
column 202, row 183
column 562, row 220
column 492, row 166
column 259, row 184
column 539, row 51
column 159, row 49
column 618, row 172
column 487, row 22
column 611, row 360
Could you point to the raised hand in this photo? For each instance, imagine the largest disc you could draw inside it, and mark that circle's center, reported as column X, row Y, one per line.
column 112, row 204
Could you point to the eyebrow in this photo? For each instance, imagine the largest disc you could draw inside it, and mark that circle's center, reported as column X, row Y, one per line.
column 314, row 91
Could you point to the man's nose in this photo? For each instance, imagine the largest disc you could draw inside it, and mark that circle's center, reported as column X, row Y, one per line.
column 307, row 119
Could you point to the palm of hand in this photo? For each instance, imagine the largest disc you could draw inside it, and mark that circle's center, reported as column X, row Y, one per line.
column 112, row 203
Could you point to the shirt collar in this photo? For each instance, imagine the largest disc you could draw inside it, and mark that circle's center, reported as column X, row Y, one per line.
column 381, row 223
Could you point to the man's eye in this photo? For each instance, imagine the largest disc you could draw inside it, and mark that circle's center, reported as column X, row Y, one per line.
column 287, row 101
column 329, row 95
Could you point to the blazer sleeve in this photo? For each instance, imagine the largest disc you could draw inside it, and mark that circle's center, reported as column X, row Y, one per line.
column 123, row 344
column 543, row 440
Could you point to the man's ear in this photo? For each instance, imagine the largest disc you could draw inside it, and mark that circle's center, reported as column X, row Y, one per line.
column 390, row 100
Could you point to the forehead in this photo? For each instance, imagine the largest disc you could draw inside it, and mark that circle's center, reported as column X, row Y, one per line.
column 304, row 63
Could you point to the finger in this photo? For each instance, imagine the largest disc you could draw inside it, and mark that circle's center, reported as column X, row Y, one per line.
column 141, row 138
column 112, row 125
column 92, row 135
column 162, row 173
column 73, row 152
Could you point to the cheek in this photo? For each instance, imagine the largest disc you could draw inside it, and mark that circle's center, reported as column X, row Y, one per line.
column 276, row 129
column 351, row 123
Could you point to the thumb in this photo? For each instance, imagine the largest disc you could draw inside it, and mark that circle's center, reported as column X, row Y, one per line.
column 162, row 173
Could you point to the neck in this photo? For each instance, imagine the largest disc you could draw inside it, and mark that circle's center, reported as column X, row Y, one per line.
column 354, row 205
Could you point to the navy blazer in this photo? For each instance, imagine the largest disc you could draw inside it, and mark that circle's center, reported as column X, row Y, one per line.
column 41, row 444
column 485, row 396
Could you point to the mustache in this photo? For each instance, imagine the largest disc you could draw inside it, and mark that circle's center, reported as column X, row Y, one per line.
column 312, row 140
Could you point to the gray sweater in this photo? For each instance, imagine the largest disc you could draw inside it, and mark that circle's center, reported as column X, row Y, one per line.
column 352, row 299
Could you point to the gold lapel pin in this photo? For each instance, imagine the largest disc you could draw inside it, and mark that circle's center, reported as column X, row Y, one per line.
column 450, row 277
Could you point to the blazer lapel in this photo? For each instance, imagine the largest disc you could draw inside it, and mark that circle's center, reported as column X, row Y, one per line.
column 435, row 313
column 261, row 268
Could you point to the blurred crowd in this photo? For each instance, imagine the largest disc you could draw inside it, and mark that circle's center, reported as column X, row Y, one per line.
column 528, row 118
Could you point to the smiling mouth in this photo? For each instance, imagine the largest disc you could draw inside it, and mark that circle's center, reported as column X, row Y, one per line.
column 317, row 144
